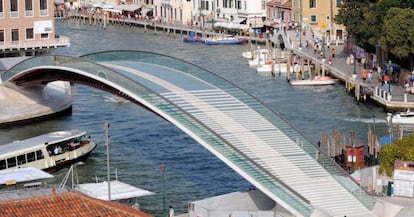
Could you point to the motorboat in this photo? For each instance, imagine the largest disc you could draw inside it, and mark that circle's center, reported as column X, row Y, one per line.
column 316, row 81
column 406, row 117
column 254, row 53
column 224, row 40
column 192, row 37
column 279, row 68
column 48, row 151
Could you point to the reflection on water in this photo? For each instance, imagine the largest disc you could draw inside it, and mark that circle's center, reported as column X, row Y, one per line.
column 141, row 141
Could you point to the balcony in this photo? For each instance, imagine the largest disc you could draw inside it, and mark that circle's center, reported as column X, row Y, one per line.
column 61, row 41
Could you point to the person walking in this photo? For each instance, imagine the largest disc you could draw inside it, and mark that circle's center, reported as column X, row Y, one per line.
column 370, row 76
column 333, row 52
column 364, row 74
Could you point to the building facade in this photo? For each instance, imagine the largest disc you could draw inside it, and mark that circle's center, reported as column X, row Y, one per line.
column 27, row 28
column 318, row 15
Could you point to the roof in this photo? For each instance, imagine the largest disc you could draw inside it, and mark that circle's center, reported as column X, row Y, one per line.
column 128, row 7
column 250, row 200
column 119, row 190
column 22, row 175
column 66, row 204
column 52, row 137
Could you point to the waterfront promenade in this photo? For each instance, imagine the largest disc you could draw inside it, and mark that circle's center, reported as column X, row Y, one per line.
column 394, row 98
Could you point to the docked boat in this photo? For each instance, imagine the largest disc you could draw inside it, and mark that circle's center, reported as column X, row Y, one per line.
column 279, row 68
column 192, row 37
column 254, row 53
column 224, row 40
column 47, row 152
column 406, row 117
column 316, row 81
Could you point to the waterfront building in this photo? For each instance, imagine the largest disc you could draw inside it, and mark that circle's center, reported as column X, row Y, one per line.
column 27, row 28
column 248, row 12
column 279, row 11
column 318, row 16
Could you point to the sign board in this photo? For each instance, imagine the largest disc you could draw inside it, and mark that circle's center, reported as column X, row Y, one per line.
column 404, row 178
column 41, row 27
column 403, row 188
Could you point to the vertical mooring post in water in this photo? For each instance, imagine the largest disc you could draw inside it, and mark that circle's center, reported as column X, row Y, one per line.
column 107, row 159
column 162, row 170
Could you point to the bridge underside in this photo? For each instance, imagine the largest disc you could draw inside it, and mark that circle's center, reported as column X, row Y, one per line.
column 245, row 134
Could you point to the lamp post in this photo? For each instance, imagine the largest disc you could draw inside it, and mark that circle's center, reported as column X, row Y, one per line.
column 353, row 152
column 255, row 33
column 389, row 71
column 107, row 160
column 162, row 170
column 300, row 19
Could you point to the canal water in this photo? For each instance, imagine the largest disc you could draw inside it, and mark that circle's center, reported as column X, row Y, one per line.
column 140, row 140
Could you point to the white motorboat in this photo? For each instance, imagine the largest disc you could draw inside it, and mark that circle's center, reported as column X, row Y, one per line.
column 279, row 68
column 47, row 152
column 255, row 53
column 406, row 117
column 316, row 81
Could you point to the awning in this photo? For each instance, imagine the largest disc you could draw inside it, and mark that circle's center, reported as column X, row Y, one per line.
column 271, row 23
column 231, row 25
column 238, row 20
column 145, row 11
column 256, row 22
column 129, row 7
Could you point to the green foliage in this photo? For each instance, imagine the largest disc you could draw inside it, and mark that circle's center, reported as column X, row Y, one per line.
column 390, row 22
column 398, row 32
column 402, row 149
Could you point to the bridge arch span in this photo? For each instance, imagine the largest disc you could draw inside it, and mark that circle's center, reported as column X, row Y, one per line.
column 237, row 128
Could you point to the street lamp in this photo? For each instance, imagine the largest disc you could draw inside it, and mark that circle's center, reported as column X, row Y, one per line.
column 300, row 33
column 353, row 152
column 255, row 33
column 389, row 71
column 162, row 170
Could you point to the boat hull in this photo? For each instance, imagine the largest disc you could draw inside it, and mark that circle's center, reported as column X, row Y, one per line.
column 318, row 81
column 224, row 41
column 66, row 163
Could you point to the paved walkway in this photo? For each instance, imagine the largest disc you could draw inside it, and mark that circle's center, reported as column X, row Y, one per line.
column 399, row 99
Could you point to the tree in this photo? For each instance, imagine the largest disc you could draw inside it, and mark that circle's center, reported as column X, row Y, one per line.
column 398, row 33
column 402, row 149
column 353, row 14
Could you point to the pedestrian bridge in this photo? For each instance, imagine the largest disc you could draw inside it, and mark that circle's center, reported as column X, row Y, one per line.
column 237, row 128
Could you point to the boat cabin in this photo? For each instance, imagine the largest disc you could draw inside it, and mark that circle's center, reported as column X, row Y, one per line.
column 46, row 151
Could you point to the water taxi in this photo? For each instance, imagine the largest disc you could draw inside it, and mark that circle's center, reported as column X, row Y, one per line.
column 47, row 152
column 406, row 117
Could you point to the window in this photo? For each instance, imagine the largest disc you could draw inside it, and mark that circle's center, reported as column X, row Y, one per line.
column 14, row 9
column 11, row 162
column 1, row 36
column 21, row 159
column 312, row 3
column 15, row 35
column 44, row 35
column 43, row 4
column 238, row 4
column 31, row 157
column 338, row 3
column 39, row 155
column 313, row 19
column 28, row 8
column 13, row 5
column 2, row 164
column 29, row 33
column 263, row 4
column 1, row 10
column 43, row 8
